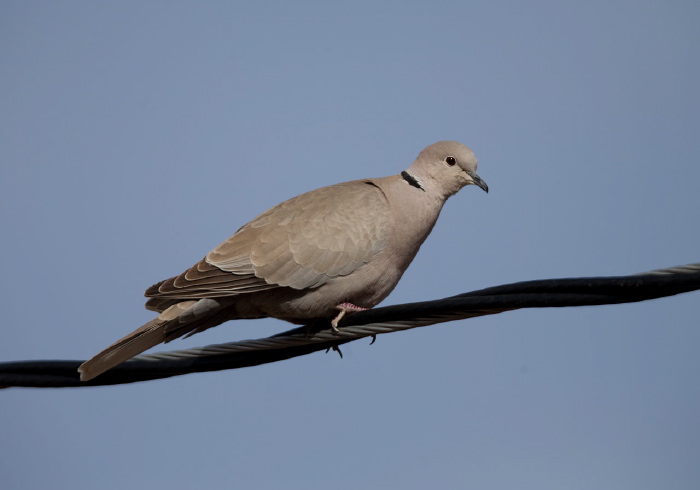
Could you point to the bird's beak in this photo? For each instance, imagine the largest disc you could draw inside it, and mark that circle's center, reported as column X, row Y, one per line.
column 476, row 180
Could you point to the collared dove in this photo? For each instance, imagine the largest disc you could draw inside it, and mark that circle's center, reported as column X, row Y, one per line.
column 322, row 254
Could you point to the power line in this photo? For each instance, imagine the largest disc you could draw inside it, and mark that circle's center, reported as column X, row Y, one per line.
column 301, row 341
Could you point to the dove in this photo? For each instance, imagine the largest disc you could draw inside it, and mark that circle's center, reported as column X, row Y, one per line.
column 318, row 256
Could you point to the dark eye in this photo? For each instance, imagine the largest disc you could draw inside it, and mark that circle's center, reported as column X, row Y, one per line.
column 450, row 161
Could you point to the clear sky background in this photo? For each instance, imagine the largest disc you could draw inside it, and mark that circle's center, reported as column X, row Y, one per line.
column 135, row 136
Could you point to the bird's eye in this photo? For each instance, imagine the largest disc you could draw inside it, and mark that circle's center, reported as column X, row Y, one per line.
column 450, row 161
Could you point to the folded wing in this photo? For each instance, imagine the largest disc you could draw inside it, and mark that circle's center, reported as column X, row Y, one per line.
column 301, row 243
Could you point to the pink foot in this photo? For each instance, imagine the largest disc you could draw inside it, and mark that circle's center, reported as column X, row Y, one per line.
column 344, row 308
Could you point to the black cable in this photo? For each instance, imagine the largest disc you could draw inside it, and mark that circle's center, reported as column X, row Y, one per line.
column 529, row 294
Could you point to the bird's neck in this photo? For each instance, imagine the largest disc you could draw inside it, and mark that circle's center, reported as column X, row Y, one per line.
column 414, row 211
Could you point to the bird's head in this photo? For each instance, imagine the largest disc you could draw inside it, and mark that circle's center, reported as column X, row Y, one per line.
column 445, row 167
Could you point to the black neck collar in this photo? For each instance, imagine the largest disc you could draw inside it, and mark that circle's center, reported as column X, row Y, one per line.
column 411, row 180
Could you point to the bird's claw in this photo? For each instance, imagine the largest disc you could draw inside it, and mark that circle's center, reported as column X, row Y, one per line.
column 336, row 320
column 335, row 348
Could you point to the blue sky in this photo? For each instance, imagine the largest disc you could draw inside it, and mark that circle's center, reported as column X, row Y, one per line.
column 136, row 136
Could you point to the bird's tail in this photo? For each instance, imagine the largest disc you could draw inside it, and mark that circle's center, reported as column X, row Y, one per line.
column 177, row 320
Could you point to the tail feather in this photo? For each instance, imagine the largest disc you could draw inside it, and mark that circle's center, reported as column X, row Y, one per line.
column 150, row 335
column 138, row 341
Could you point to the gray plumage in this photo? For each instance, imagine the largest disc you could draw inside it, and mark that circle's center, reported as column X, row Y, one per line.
column 342, row 247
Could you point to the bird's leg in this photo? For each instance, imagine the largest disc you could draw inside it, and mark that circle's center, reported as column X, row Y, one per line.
column 344, row 308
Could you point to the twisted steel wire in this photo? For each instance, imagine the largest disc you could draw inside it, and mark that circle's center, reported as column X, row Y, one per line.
column 305, row 340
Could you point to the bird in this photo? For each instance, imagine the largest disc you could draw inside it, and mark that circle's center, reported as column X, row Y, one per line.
column 317, row 256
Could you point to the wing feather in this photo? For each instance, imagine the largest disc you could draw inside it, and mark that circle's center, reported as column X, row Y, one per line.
column 300, row 243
